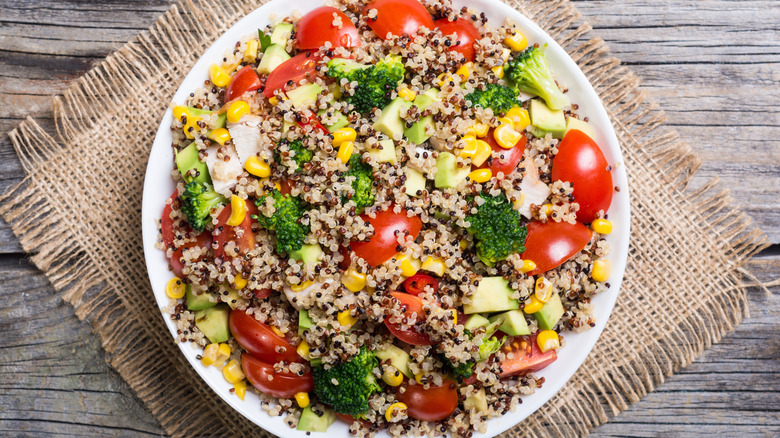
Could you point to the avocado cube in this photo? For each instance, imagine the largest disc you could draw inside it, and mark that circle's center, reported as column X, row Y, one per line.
column 477, row 402
column 421, row 130
column 213, row 323
column 187, row 159
column 550, row 313
column 308, row 253
column 273, row 57
column 415, row 181
column 585, row 127
column 448, row 173
column 311, row 422
column 513, row 323
column 304, row 321
column 397, row 357
column 492, row 295
column 475, row 321
column 340, row 123
column 304, row 96
column 390, row 122
column 281, row 34
column 198, row 302
column 542, row 117
column 286, row 126
column 231, row 299
column 386, row 154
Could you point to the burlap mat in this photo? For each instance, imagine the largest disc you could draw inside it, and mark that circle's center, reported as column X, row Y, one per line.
column 79, row 212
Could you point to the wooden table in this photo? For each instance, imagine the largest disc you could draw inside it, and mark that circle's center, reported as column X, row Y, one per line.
column 713, row 65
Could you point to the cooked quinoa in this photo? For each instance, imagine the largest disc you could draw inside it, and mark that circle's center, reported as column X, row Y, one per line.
column 298, row 187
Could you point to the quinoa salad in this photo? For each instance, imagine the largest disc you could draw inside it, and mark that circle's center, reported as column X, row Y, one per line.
column 386, row 213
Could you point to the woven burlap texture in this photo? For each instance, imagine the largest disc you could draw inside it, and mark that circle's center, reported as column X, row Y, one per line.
column 682, row 291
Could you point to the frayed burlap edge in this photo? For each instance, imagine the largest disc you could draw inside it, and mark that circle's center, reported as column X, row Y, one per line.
column 690, row 261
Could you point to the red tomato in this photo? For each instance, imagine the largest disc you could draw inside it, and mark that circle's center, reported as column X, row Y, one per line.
column 314, row 123
column 512, row 157
column 262, row 293
column 224, row 233
column 166, row 223
column 301, row 66
column 316, row 28
column 280, row 385
column 415, row 284
column 433, row 404
column 347, row 261
column 203, row 240
column 349, row 419
column 244, row 80
column 398, row 17
column 581, row 162
column 383, row 244
column 528, row 359
column 410, row 304
column 552, row 243
column 260, row 340
column 465, row 35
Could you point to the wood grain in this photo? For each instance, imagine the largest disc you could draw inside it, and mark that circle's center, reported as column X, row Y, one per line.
column 712, row 65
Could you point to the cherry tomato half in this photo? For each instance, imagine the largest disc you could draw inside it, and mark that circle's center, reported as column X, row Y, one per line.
column 202, row 240
column 398, row 17
column 301, row 66
column 410, row 304
column 260, row 340
column 383, row 244
column 224, row 233
column 316, row 28
column 465, row 35
column 415, row 284
column 526, row 357
column 433, row 404
column 504, row 160
column 581, row 162
column 280, row 385
column 166, row 223
column 244, row 80
column 552, row 243
column 313, row 122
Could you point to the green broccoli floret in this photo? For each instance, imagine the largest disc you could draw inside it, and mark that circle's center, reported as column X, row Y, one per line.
column 197, row 201
column 490, row 346
column 301, row 157
column 363, row 183
column 346, row 387
column 497, row 97
column 375, row 82
column 466, row 369
column 285, row 222
column 530, row 72
column 498, row 229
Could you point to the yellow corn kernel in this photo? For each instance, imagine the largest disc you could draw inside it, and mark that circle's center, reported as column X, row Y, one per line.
column 219, row 76
column 276, row 330
column 454, row 316
column 464, row 71
column 257, row 167
column 516, row 42
column 480, row 175
column 273, row 100
column 345, row 151
column 601, row 226
column 240, row 282
column 518, row 203
column 345, row 318
column 546, row 209
column 301, row 286
column 543, row 290
column 528, row 266
column 484, row 151
column 250, row 54
column 498, row 71
column 418, row 378
column 435, row 265
column 220, row 135
column 443, row 79
column 232, row 372
column 240, row 389
column 238, row 211
column 409, row 265
column 478, row 130
column 190, row 122
column 343, row 135
column 303, row 350
column 601, row 270
column 407, row 94
column 302, row 398
column 354, row 280
column 237, row 110
column 392, row 376
column 469, row 145
column 505, row 135
column 209, row 356
column 533, row 305
column 519, row 117
column 548, row 340
column 175, row 288
column 397, row 406
column 463, row 244
column 223, row 354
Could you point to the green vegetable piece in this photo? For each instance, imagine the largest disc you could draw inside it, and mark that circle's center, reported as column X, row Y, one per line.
column 281, row 34
column 231, row 299
column 494, row 96
column 475, row 321
column 477, row 402
column 363, row 185
column 265, row 40
column 304, row 96
column 301, row 154
column 415, row 182
column 448, row 173
column 492, row 295
column 340, row 123
column 356, row 383
column 198, row 302
column 390, row 122
column 273, row 57
column 546, row 119
column 418, row 133
column 530, row 72
column 308, row 253
column 189, row 165
column 498, row 229
column 513, row 323
column 398, row 358
column 550, row 313
column 311, row 421
column 374, row 82
column 580, row 125
column 213, row 323
column 386, row 154
column 304, row 321
column 285, row 221
column 197, row 201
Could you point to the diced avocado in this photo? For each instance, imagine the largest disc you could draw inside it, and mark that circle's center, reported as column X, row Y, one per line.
column 340, row 123
column 390, row 122
column 198, row 111
column 538, row 132
column 546, row 119
column 475, row 321
column 423, row 100
column 213, row 323
column 304, row 321
column 304, row 96
column 386, row 154
column 585, row 127
column 478, row 401
column 550, row 314
column 315, row 361
column 198, row 302
column 513, row 323
column 448, row 173
column 312, row 422
column 187, row 159
column 415, row 181
column 281, row 34
column 231, row 299
column 418, row 132
column 492, row 327
column 397, row 357
column 273, row 56
column 286, row 126
column 308, row 253
column 492, row 295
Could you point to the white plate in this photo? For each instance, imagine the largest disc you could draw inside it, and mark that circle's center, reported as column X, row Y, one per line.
column 158, row 186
